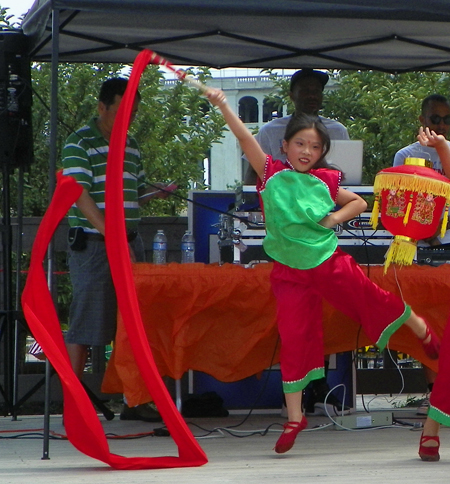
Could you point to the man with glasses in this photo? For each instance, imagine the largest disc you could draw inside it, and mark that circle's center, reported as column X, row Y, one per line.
column 436, row 116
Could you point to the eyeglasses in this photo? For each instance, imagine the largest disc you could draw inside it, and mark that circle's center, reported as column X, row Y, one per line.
column 436, row 119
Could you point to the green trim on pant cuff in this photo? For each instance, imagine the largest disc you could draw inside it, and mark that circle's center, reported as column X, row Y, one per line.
column 439, row 416
column 299, row 385
column 393, row 327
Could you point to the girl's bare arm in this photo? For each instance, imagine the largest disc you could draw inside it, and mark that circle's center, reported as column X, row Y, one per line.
column 249, row 145
column 351, row 205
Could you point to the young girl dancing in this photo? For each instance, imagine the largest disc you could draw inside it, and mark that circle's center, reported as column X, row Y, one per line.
column 298, row 200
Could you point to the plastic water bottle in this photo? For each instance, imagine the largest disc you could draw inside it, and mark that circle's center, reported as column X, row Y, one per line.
column 159, row 247
column 187, row 247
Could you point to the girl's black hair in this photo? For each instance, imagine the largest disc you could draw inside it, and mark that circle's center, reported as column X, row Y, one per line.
column 305, row 121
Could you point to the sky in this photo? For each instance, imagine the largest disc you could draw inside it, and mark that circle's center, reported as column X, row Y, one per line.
column 17, row 7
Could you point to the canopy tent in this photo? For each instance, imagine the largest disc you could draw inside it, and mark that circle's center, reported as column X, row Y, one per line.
column 399, row 36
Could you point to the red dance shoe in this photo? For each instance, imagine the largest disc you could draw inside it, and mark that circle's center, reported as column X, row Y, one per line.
column 433, row 346
column 287, row 439
column 429, row 454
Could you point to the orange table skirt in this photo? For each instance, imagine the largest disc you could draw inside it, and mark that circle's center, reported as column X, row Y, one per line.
column 221, row 320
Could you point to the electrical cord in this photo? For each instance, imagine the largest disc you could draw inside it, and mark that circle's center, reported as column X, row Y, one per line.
column 240, row 434
column 231, row 428
column 414, row 425
column 396, row 422
column 39, row 434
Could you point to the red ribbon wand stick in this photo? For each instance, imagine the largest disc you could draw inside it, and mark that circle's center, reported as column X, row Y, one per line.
column 182, row 76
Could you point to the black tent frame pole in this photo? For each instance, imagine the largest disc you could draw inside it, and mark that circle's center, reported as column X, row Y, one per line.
column 51, row 189
column 7, row 312
column 18, row 319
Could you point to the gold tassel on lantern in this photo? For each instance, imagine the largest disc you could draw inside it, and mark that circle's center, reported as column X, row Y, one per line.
column 373, row 221
column 444, row 221
column 401, row 251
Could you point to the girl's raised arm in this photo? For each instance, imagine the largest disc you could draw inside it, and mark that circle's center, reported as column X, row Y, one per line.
column 249, row 145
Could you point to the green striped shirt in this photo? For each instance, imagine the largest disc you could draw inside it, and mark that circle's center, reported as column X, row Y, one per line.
column 84, row 158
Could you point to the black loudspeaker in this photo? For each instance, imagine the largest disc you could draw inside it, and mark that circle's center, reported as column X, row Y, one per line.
column 16, row 137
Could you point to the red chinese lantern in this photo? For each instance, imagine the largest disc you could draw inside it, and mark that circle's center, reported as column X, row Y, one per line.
column 413, row 199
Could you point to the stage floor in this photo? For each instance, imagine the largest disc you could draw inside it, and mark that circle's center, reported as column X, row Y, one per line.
column 322, row 453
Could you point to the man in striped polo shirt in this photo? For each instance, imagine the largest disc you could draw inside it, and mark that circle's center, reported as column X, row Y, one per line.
column 93, row 312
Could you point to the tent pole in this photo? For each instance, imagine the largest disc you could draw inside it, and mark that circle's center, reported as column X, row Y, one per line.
column 18, row 320
column 51, row 189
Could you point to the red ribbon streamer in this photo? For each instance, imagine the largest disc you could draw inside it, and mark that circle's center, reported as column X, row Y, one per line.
column 83, row 427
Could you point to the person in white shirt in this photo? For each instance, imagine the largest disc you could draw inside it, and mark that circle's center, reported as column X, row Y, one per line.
column 306, row 92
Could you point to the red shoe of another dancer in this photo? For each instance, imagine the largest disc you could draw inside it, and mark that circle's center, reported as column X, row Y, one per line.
column 433, row 346
column 287, row 439
column 429, row 454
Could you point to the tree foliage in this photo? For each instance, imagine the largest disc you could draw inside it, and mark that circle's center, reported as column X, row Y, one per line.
column 379, row 108
column 382, row 110
column 174, row 128
column 7, row 21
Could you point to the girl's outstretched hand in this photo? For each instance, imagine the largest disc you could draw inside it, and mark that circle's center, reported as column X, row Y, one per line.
column 426, row 137
column 216, row 96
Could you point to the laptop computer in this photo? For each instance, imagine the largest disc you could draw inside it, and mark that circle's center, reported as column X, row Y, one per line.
column 347, row 155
